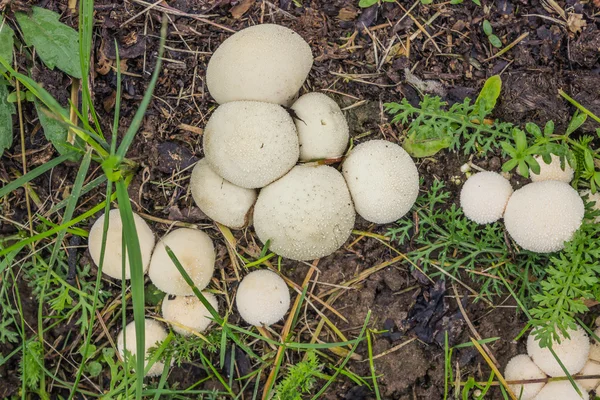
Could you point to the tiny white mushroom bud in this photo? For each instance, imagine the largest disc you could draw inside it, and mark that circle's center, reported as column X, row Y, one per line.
column 484, row 196
column 262, row 298
column 187, row 313
column 562, row 390
column 572, row 352
column 154, row 335
column 552, row 171
column 113, row 254
column 521, row 367
column 465, row 168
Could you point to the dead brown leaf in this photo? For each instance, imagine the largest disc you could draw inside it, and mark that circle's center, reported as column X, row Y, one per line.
column 241, row 8
column 103, row 64
column 576, row 23
column 347, row 14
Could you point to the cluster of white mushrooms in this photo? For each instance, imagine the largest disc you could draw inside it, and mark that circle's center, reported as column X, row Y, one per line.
column 251, row 174
column 532, row 370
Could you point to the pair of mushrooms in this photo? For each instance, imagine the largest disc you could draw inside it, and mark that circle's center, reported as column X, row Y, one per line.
column 576, row 354
column 540, row 217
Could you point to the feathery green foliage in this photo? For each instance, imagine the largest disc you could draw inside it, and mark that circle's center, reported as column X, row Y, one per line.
column 299, row 380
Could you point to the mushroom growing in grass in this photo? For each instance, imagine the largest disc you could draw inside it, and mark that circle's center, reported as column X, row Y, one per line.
column 383, row 180
column 220, row 200
column 562, row 390
column 251, row 144
column 262, row 63
column 522, row 368
column 542, row 216
column 187, row 314
column 322, row 127
column 113, row 255
column 262, row 298
column 572, row 352
column 484, row 196
column 305, row 215
column 195, row 252
column 154, row 335
column 552, row 171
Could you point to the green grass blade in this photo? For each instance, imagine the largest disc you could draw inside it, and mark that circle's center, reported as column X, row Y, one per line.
column 115, row 129
column 34, row 173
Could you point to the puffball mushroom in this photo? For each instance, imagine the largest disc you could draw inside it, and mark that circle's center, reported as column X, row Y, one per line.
column 262, row 298
column 322, row 127
column 251, row 144
column 593, row 198
column 220, row 200
column 262, row 63
column 113, row 255
column 154, row 335
column 195, row 251
column 541, row 216
column 552, row 171
column 484, row 196
column 383, row 180
column 572, row 352
column 592, row 366
column 561, row 390
column 187, row 313
column 522, row 368
column 307, row 214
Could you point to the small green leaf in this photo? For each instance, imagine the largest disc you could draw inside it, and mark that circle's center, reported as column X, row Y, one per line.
column 577, row 120
column 495, row 41
column 487, row 28
column 523, row 169
column 93, row 368
column 453, row 2
column 366, row 3
column 29, row 96
column 510, row 165
column 549, row 128
column 520, row 140
column 7, row 109
column 509, row 149
column 153, row 295
column 426, row 2
column 54, row 131
column 489, row 93
column 533, row 164
column 418, row 144
column 6, row 43
column 588, row 159
column 533, row 129
column 12, row 97
column 478, row 2
column 56, row 43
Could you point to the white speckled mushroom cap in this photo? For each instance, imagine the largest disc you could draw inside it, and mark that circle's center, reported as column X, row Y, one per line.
column 262, row 63
column 322, row 127
column 522, row 368
column 262, row 298
column 541, row 216
column 251, row 144
column 195, row 251
column 307, row 214
column 189, row 312
column 220, row 199
column 572, row 352
column 484, row 196
column 552, row 171
column 154, row 335
column 561, row 390
column 113, row 255
column 383, row 180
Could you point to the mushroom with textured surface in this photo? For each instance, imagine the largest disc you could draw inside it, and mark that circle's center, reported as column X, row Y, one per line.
column 592, row 366
column 154, row 335
column 572, row 351
column 484, row 196
column 187, row 314
column 561, row 390
column 262, row 298
column 552, row 171
column 519, row 368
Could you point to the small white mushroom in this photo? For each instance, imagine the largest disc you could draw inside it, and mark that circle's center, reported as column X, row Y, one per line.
column 572, row 352
column 322, row 127
column 261, row 63
column 251, row 144
column 262, row 298
column 552, row 171
column 195, row 251
column 219, row 199
column 383, row 180
column 187, row 314
column 154, row 335
column 522, row 368
column 113, row 254
column 305, row 215
column 484, row 196
column 541, row 216
column 562, row 390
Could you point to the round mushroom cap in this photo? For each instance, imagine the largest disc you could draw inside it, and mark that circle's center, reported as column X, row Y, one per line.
column 195, row 251
column 572, row 352
column 307, row 214
column 154, row 335
column 592, row 366
column 262, row 63
column 383, row 180
column 251, row 144
column 562, row 390
column 522, row 368
column 593, row 198
column 541, row 216
column 262, row 298
column 322, row 127
column 187, row 314
column 113, row 254
column 552, row 171
column 484, row 196
column 220, row 200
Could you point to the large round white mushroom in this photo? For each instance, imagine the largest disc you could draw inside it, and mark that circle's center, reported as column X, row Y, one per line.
column 322, row 127
column 262, row 298
column 572, row 352
column 261, row 63
column 383, row 180
column 484, row 196
column 542, row 216
column 522, row 368
column 187, row 314
column 154, row 335
column 552, row 171
column 561, row 390
column 250, row 143
column 113, row 254
column 195, row 252
column 307, row 214
column 219, row 199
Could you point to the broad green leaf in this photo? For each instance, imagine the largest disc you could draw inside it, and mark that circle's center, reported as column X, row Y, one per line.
column 56, row 43
column 577, row 120
column 489, row 93
column 424, row 144
column 487, row 28
column 54, row 131
column 6, row 43
column 549, row 128
column 495, row 41
column 533, row 129
column 366, row 3
column 478, row 2
column 6, row 111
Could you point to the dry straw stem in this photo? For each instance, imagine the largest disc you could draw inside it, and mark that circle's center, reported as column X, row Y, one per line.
column 493, row 367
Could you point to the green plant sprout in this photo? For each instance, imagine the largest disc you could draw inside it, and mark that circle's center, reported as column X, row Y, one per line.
column 489, row 32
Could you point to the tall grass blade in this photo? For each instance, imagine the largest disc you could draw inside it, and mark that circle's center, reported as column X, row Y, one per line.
column 34, row 173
